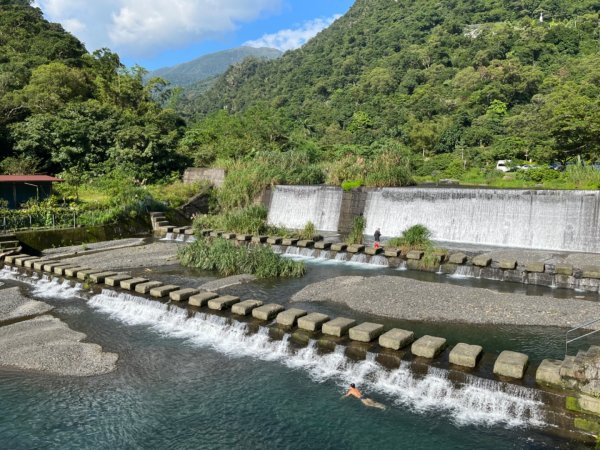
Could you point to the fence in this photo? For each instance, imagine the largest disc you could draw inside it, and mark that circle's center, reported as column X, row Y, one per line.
column 16, row 220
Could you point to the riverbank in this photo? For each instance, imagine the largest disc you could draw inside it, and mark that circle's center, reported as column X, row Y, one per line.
column 403, row 298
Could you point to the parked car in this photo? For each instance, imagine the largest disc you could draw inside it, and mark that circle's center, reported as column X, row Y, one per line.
column 527, row 167
column 503, row 165
column 556, row 166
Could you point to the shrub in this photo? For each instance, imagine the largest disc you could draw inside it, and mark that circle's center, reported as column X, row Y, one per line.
column 250, row 220
column 417, row 237
column 229, row 259
column 356, row 235
column 389, row 168
column 308, row 232
column 351, row 184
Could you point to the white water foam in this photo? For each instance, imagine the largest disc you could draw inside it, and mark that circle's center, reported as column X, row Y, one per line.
column 168, row 237
column 479, row 401
column 44, row 286
column 462, row 272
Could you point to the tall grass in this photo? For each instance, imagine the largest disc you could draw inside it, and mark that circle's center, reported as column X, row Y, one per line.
column 417, row 237
column 308, row 232
column 250, row 220
column 356, row 235
column 227, row 259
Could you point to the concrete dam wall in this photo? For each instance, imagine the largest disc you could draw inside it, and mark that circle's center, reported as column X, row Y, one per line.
column 533, row 219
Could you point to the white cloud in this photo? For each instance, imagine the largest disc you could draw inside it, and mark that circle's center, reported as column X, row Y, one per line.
column 290, row 39
column 139, row 28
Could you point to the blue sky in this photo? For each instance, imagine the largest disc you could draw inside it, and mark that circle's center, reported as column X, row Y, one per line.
column 158, row 33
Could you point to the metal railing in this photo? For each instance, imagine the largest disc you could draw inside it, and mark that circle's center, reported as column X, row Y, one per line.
column 16, row 222
column 579, row 327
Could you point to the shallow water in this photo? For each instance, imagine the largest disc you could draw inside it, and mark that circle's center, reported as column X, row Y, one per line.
column 205, row 382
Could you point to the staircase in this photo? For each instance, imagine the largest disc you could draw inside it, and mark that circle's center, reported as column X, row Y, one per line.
column 9, row 244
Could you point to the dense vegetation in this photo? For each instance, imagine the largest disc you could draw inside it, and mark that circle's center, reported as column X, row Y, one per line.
column 227, row 258
column 446, row 87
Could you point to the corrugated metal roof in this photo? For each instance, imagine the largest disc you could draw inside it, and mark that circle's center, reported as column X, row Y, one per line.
column 28, row 179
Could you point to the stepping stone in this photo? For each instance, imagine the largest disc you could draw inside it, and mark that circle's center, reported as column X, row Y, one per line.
column 305, row 243
column 396, row 339
column 591, row 272
column 132, row 283
column 356, row 248
column 548, row 372
column 30, row 262
column 289, row 317
column 206, row 232
column 39, row 265
column 51, row 266
column 115, row 280
column 228, row 236
column 144, row 288
column 73, row 271
column 189, row 232
column 482, row 261
column 224, row 302
column 392, row 252
column 507, row 264
column 267, row 312
column 163, row 291
column 244, row 308
column 289, row 241
column 216, row 233
column 201, row 299
column 366, row 332
column 511, row 364
column 243, row 237
column 465, row 355
column 428, row 346
column 414, row 255
column 322, row 245
column 100, row 277
column 259, row 239
column 168, row 228
column 274, row 240
column 339, row 247
column 563, row 269
column 183, row 294
column 11, row 258
column 21, row 261
column 83, row 274
column 161, row 223
column 457, row 258
column 60, row 270
column 373, row 251
column 535, row 267
column 312, row 322
column 338, row 327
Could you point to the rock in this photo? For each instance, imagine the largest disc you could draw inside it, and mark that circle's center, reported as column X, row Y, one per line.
column 322, row 245
column 305, row 243
column 201, row 299
column 224, row 302
column 548, row 372
column 355, row 248
column 338, row 327
column 588, row 403
column 482, row 260
column 396, row 339
column 415, row 255
column 339, row 247
column 508, row 264
column 511, row 364
column 592, row 388
column 373, row 251
column 163, row 291
column 428, row 346
column 312, row 322
column 289, row 241
column 563, row 269
column 274, row 240
column 267, row 312
column 366, row 332
column 132, row 283
column 289, row 317
column 183, row 294
column 591, row 272
column 392, row 252
column 244, row 308
column 535, row 267
column 144, row 288
column 465, row 355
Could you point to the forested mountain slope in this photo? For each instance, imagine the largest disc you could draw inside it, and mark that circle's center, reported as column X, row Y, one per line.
column 475, row 79
column 63, row 109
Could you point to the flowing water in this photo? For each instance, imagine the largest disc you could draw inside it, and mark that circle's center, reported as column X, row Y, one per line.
column 204, row 381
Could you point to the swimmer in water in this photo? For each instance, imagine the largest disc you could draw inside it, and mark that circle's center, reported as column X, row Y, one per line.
column 353, row 391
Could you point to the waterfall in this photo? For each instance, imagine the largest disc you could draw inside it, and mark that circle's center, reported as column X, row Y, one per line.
column 168, row 237
column 181, row 238
column 466, row 272
column 477, row 401
column 44, row 286
column 379, row 260
column 551, row 220
column 359, row 258
column 341, row 256
column 293, row 206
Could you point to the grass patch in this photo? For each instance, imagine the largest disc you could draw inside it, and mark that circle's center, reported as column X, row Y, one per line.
column 356, row 235
column 308, row 232
column 227, row 259
column 572, row 404
column 417, row 237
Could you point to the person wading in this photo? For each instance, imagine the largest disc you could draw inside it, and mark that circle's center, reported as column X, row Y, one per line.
column 354, row 392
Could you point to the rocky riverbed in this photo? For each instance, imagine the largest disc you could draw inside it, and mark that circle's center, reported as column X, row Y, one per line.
column 404, row 298
column 31, row 339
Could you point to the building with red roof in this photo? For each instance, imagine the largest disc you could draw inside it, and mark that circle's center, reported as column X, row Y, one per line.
column 18, row 189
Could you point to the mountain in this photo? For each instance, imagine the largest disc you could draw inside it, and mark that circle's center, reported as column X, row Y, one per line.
column 460, row 82
column 210, row 66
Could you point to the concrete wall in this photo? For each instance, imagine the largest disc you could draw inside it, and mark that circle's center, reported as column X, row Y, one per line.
column 353, row 205
column 214, row 176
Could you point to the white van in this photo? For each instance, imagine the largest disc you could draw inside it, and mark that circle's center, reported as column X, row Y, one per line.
column 502, row 165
